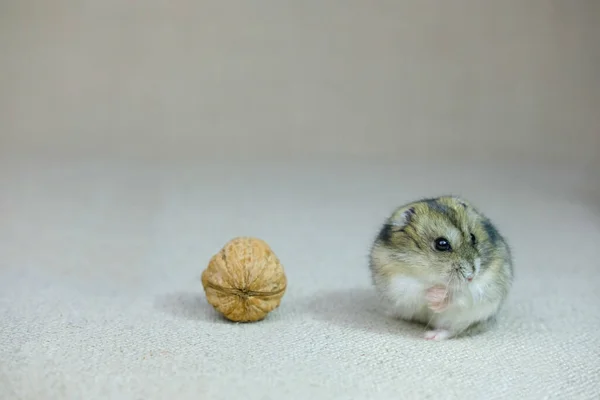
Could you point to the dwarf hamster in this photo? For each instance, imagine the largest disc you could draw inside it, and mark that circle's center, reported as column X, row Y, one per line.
column 442, row 263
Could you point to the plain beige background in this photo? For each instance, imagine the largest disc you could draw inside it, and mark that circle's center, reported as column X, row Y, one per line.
column 463, row 80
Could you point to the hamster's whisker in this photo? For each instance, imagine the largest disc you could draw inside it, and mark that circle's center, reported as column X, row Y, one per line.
column 429, row 322
column 461, row 272
column 449, row 283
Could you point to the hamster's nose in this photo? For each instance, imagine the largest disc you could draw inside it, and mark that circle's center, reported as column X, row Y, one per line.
column 469, row 275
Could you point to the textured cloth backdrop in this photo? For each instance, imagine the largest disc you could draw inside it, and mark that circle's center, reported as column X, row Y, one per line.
column 100, row 294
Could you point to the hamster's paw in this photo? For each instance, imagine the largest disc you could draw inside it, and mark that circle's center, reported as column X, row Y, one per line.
column 438, row 334
column 437, row 298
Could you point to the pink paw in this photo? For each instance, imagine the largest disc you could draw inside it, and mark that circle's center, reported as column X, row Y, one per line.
column 438, row 334
column 437, row 297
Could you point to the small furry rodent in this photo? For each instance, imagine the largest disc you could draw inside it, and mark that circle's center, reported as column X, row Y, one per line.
column 442, row 263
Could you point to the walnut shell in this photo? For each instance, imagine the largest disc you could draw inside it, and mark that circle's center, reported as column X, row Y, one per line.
column 245, row 280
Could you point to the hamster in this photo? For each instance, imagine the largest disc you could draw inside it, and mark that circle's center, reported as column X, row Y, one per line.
column 442, row 263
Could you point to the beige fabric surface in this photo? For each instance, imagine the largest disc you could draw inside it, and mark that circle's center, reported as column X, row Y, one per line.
column 100, row 294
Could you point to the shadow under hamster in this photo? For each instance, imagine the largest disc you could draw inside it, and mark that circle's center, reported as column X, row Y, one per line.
column 359, row 308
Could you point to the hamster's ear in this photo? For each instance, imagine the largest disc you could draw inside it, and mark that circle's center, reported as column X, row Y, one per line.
column 395, row 223
column 460, row 201
column 402, row 217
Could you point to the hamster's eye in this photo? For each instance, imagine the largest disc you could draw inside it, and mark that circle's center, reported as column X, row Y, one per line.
column 442, row 244
column 473, row 240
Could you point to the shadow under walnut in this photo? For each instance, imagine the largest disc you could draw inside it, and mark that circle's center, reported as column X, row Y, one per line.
column 188, row 305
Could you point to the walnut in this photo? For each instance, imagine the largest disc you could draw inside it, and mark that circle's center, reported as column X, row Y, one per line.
column 245, row 280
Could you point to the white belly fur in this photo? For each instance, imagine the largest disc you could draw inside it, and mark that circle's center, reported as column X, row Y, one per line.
column 405, row 298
